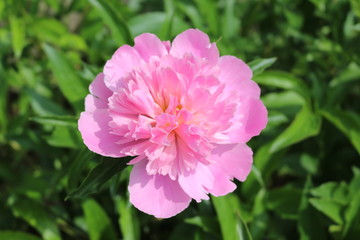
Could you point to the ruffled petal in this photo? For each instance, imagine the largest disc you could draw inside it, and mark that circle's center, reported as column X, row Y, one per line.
column 149, row 45
column 98, row 98
column 250, row 119
column 98, row 88
column 196, row 182
column 235, row 160
column 195, row 42
column 156, row 194
column 237, row 77
column 121, row 64
column 94, row 129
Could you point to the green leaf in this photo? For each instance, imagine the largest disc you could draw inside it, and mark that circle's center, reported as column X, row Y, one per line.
column 64, row 137
column 259, row 65
column 98, row 223
column 3, row 102
column 99, row 175
column 17, row 27
column 352, row 216
column 283, row 80
column 283, row 99
column 36, row 215
column 44, row 106
column 351, row 73
column 355, row 7
column 63, row 121
column 12, row 235
column 346, row 121
column 70, row 83
column 82, row 158
column 128, row 221
column 285, row 201
column 209, row 12
column 309, row 225
column 328, row 207
column 191, row 12
column 230, row 23
column 229, row 216
column 335, row 191
column 166, row 27
column 306, row 124
column 147, row 22
column 207, row 224
column 117, row 25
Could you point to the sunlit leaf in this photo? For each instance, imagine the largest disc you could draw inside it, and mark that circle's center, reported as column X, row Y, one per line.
column 306, row 124
column 128, row 220
column 36, row 215
column 70, row 83
column 98, row 223
column 117, row 25
column 259, row 65
column 229, row 215
column 17, row 26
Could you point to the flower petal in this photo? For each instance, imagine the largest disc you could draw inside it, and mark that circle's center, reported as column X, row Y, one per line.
column 250, row 119
column 121, row 64
column 195, row 42
column 196, row 182
column 235, row 160
column 94, row 129
column 98, row 88
column 148, row 45
column 156, row 194
column 237, row 77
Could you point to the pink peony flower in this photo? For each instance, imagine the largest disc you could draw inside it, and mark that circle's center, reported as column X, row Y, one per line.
column 185, row 113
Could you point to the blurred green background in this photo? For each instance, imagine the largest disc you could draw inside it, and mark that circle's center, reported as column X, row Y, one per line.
column 306, row 178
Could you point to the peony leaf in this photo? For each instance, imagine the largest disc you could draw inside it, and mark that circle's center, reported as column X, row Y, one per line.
column 36, row 215
column 118, row 27
column 347, row 121
column 352, row 216
column 128, row 221
column 70, row 83
column 285, row 201
column 99, row 175
column 64, row 121
column 310, row 224
column 259, row 65
column 14, row 235
column 283, row 80
column 17, row 27
column 98, row 223
column 328, row 207
column 306, row 124
column 232, row 225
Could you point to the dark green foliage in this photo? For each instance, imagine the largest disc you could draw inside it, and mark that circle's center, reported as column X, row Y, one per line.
column 305, row 182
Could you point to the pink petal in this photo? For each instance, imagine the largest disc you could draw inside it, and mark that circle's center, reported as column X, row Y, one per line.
column 96, row 134
column 223, row 184
column 98, row 88
column 148, row 45
column 235, row 160
column 196, row 182
column 253, row 120
column 99, row 94
column 121, row 64
column 194, row 42
column 156, row 194
column 237, row 77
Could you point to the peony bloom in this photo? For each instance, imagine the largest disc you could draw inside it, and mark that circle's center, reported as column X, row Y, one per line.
column 185, row 113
